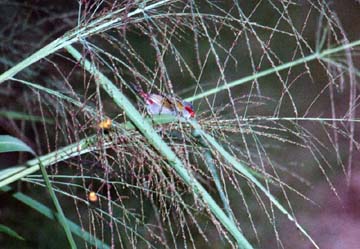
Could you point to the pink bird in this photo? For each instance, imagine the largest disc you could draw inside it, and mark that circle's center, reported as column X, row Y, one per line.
column 160, row 104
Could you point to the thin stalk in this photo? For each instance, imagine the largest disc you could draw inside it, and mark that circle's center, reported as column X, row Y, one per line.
column 17, row 172
column 61, row 215
column 24, row 116
column 47, row 212
column 97, row 26
column 317, row 55
column 156, row 141
column 212, row 168
column 245, row 172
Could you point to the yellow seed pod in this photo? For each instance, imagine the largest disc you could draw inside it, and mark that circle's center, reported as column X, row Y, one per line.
column 105, row 124
column 92, row 196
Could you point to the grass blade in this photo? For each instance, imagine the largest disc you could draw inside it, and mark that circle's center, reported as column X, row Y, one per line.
column 31, row 166
column 13, row 144
column 7, row 230
column 61, row 216
column 99, row 25
column 155, row 140
column 24, row 116
column 311, row 57
column 244, row 171
column 47, row 212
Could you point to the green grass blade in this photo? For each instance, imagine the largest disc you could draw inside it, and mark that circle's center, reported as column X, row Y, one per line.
column 314, row 56
column 155, row 140
column 24, row 116
column 7, row 230
column 31, row 166
column 47, row 212
column 209, row 160
column 99, row 25
column 61, row 215
column 13, row 144
column 244, row 171
column 5, row 173
column 65, row 153
column 83, row 146
column 55, row 94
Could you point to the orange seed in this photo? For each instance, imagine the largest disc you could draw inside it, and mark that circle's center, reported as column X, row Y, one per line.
column 92, row 196
column 105, row 124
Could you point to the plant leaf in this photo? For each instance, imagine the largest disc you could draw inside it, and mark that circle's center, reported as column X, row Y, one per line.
column 161, row 146
column 44, row 210
column 24, row 116
column 244, row 171
column 12, row 144
column 7, row 230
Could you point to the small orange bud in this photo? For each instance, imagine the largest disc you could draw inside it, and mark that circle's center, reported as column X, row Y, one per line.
column 92, row 196
column 105, row 124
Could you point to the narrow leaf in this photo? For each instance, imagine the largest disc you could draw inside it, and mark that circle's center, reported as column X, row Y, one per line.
column 12, row 144
column 24, row 116
column 244, row 171
column 155, row 140
column 47, row 212
column 7, row 230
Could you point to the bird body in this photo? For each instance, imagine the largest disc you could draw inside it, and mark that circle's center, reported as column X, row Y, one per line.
column 159, row 104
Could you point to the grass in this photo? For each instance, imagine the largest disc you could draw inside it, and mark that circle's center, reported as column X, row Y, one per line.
column 161, row 171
